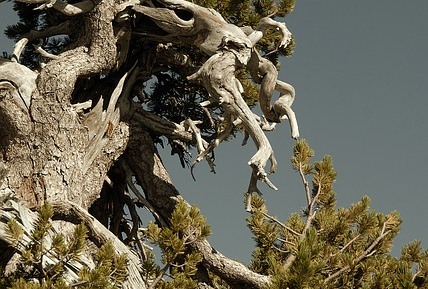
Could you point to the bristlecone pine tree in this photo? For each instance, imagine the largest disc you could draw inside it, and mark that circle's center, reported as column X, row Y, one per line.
column 94, row 87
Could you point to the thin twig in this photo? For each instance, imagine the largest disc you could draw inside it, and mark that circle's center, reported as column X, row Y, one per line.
column 252, row 187
column 140, row 196
column 159, row 276
column 305, row 183
column 281, row 224
column 348, row 244
column 367, row 253
column 207, row 113
column 344, row 247
column 286, row 242
column 311, row 213
column 279, row 249
column 134, row 216
column 43, row 52
column 169, row 263
column 201, row 145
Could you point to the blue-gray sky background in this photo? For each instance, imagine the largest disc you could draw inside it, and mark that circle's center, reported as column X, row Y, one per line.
column 360, row 72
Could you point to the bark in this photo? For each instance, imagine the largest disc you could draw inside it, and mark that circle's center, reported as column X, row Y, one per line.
column 69, row 125
column 53, row 157
column 51, row 149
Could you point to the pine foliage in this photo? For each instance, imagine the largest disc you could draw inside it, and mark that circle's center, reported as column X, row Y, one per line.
column 34, row 271
column 187, row 226
column 330, row 247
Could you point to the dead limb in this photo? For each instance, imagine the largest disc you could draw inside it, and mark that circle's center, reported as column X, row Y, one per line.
column 206, row 29
column 139, row 195
column 252, row 188
column 282, row 106
column 22, row 79
column 73, row 9
column 152, row 176
column 268, row 22
column 62, row 6
column 218, row 77
column 264, row 72
column 63, row 28
column 44, row 53
column 230, row 48
column 201, row 146
column 25, row 218
column 159, row 125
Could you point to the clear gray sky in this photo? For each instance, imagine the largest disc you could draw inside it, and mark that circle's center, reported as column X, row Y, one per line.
column 360, row 72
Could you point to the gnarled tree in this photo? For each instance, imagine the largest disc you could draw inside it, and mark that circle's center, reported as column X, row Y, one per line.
column 79, row 126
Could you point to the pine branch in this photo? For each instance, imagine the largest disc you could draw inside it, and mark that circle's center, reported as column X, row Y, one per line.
column 367, row 253
column 310, row 216
column 306, row 184
column 282, row 224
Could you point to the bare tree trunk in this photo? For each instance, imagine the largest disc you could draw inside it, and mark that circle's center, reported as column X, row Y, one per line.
column 64, row 125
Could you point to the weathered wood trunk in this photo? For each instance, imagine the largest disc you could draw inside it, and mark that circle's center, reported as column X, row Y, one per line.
column 48, row 147
column 64, row 125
